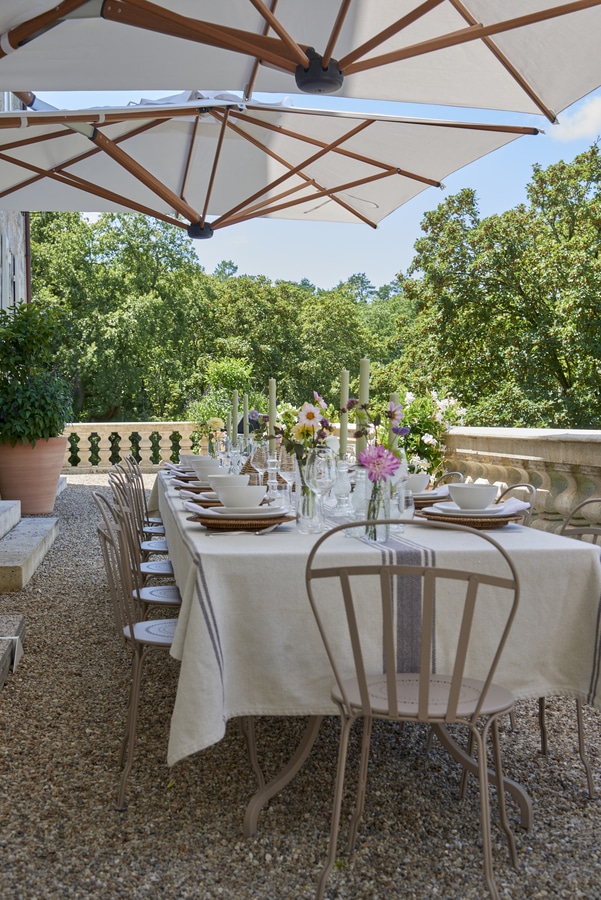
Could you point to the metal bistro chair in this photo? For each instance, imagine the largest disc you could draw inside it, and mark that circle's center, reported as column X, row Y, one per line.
column 139, row 634
column 357, row 621
column 447, row 478
column 151, row 537
column 582, row 531
column 147, row 595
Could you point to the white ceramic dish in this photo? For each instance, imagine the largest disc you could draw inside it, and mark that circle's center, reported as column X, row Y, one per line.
column 446, row 508
column 431, row 495
column 473, row 496
column 208, row 495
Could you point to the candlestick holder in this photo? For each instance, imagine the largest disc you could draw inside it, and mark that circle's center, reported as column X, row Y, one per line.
column 272, row 476
column 342, row 491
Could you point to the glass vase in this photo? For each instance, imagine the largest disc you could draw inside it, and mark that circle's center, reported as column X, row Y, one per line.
column 378, row 507
column 308, row 518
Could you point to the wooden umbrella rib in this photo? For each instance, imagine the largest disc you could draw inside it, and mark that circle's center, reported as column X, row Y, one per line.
column 507, row 65
column 148, row 16
column 278, row 129
column 214, row 167
column 296, row 169
column 325, row 192
column 27, row 31
column 249, row 86
column 471, row 33
column 87, row 186
column 143, row 175
column 387, row 33
column 335, row 33
column 295, row 50
column 188, row 162
column 65, row 117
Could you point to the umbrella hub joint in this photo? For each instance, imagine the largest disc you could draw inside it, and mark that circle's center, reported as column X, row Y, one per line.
column 317, row 79
column 200, row 232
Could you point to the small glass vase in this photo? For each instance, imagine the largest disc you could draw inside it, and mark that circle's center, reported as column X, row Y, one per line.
column 378, row 507
column 308, row 518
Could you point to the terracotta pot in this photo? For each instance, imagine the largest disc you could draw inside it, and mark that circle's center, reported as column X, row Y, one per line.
column 31, row 474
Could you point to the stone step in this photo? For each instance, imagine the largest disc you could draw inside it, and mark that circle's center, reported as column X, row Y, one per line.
column 10, row 515
column 23, row 549
column 10, row 627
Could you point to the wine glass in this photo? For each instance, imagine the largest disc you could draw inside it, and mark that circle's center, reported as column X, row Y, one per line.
column 287, row 465
column 259, row 456
column 321, row 474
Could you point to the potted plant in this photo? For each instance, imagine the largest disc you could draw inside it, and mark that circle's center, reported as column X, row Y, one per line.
column 35, row 405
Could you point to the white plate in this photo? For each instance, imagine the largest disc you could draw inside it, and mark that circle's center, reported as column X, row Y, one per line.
column 450, row 507
column 249, row 512
column 208, row 495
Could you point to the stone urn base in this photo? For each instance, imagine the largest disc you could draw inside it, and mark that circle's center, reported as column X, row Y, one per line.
column 31, row 474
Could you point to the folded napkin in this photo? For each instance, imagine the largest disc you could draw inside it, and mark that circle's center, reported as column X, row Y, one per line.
column 190, row 495
column 513, row 506
column 438, row 493
column 188, row 484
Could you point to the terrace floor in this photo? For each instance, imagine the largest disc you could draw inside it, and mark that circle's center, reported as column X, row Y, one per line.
column 62, row 719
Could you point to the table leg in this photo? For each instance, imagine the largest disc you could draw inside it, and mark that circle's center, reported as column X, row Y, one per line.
column 516, row 790
column 284, row 777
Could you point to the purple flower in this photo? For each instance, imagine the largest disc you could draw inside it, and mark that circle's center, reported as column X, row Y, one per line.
column 319, row 400
column 394, row 412
column 379, row 462
column 253, row 415
column 401, row 430
column 351, row 404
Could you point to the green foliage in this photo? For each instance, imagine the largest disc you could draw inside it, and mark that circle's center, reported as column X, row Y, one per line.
column 35, row 398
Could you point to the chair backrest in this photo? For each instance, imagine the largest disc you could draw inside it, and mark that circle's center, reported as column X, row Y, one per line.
column 124, row 514
column 358, row 607
column 115, row 554
column 448, row 477
column 525, row 491
column 584, row 522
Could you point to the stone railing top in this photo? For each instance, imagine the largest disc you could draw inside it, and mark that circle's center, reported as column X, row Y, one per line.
column 575, row 447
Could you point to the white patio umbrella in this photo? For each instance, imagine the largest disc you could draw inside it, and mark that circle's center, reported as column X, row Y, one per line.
column 205, row 163
column 533, row 56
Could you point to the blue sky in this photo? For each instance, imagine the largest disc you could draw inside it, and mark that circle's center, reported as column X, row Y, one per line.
column 329, row 253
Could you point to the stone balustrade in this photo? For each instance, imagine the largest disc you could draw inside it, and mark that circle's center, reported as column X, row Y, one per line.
column 564, row 466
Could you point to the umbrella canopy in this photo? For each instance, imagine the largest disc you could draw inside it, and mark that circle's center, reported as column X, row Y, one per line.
column 205, row 163
column 533, row 56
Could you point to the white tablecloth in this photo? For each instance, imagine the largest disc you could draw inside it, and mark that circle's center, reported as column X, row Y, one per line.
column 248, row 642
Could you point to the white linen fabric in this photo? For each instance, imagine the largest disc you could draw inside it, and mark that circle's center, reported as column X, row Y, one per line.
column 248, row 643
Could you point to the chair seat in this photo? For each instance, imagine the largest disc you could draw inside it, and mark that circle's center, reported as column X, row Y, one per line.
column 160, row 594
column 158, row 545
column 157, row 567
column 155, row 632
column 498, row 699
column 153, row 529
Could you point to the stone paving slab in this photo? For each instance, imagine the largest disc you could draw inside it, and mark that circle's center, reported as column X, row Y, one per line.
column 23, row 549
column 10, row 515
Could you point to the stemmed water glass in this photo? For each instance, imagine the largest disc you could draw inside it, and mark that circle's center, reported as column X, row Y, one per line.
column 321, row 474
column 287, row 466
column 259, row 456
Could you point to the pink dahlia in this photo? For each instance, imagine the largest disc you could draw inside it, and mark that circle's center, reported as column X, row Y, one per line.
column 379, row 462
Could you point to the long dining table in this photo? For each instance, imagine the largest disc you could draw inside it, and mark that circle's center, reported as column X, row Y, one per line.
column 249, row 646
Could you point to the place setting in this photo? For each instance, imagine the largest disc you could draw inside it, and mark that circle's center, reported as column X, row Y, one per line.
column 242, row 506
column 474, row 505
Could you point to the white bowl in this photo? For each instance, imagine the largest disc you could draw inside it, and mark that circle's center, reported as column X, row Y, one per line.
column 225, row 480
column 418, row 483
column 473, row 496
column 241, row 495
column 187, row 458
column 204, row 464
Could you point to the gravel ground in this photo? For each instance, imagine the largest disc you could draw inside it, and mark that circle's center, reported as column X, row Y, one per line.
column 62, row 718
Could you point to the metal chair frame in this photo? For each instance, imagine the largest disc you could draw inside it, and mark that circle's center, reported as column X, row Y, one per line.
column 139, row 634
column 421, row 696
